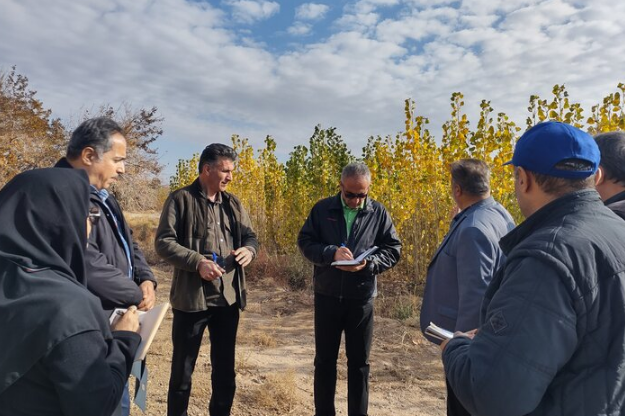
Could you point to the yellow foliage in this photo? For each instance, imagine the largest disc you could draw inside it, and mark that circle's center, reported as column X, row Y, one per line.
column 410, row 172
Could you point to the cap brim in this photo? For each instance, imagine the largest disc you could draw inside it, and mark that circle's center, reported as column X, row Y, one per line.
column 509, row 162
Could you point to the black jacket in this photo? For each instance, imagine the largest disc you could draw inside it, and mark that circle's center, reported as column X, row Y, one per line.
column 552, row 339
column 325, row 230
column 107, row 265
column 617, row 204
column 57, row 353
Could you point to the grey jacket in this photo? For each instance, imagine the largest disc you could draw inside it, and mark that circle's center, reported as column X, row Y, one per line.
column 463, row 266
column 552, row 338
column 181, row 238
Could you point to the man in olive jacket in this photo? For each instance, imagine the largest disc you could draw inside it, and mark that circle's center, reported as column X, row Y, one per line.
column 205, row 233
column 340, row 228
column 552, row 334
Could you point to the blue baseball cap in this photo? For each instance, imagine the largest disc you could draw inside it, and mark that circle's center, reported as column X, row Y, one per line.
column 546, row 144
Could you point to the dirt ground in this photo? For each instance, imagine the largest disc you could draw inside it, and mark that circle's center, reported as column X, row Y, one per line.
column 275, row 352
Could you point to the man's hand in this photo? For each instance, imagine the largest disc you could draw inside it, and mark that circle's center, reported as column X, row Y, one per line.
column 149, row 296
column 209, row 270
column 356, row 268
column 243, row 256
column 343, row 253
column 129, row 321
column 469, row 334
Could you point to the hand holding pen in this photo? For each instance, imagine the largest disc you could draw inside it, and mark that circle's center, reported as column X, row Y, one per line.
column 343, row 253
column 210, row 269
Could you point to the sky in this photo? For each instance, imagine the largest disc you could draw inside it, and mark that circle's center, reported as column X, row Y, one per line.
column 260, row 67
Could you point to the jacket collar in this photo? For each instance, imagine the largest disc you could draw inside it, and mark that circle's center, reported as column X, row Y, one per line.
column 63, row 163
column 486, row 202
column 197, row 187
column 557, row 208
column 457, row 220
column 615, row 198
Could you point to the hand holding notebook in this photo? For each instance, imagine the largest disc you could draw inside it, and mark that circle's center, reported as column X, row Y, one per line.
column 357, row 260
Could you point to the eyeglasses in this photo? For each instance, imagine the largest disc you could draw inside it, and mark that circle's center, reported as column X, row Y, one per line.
column 350, row 195
column 94, row 215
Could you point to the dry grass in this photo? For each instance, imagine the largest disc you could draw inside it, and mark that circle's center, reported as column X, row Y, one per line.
column 143, row 225
column 264, row 339
column 277, row 393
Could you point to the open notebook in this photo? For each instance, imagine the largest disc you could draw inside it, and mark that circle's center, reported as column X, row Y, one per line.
column 357, row 260
column 149, row 322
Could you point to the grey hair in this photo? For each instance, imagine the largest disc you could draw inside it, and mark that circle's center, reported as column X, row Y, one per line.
column 356, row 169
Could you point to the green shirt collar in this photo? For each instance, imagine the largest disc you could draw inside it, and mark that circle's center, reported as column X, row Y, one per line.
column 346, row 207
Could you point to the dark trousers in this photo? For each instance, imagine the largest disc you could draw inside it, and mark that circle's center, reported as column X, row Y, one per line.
column 454, row 407
column 187, row 331
column 355, row 318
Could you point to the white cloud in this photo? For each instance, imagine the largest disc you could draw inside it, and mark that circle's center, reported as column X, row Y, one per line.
column 368, row 6
column 211, row 78
column 249, row 11
column 299, row 29
column 311, row 11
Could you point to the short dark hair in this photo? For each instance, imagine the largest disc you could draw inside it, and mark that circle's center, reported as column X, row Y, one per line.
column 612, row 148
column 471, row 175
column 560, row 186
column 215, row 151
column 95, row 133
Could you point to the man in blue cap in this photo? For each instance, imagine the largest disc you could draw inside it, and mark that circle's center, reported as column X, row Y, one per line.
column 552, row 334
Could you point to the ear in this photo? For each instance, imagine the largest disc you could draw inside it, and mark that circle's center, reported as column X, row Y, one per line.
column 524, row 179
column 599, row 176
column 457, row 190
column 88, row 156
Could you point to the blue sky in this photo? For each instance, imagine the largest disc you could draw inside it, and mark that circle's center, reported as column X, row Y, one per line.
column 258, row 67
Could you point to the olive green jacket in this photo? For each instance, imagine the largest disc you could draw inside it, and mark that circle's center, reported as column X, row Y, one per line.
column 180, row 240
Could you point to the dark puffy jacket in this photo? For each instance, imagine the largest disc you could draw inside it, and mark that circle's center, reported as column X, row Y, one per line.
column 552, row 339
column 325, row 230
column 107, row 264
column 617, row 204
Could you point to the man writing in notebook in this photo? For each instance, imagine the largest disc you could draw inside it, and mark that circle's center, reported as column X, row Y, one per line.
column 340, row 228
